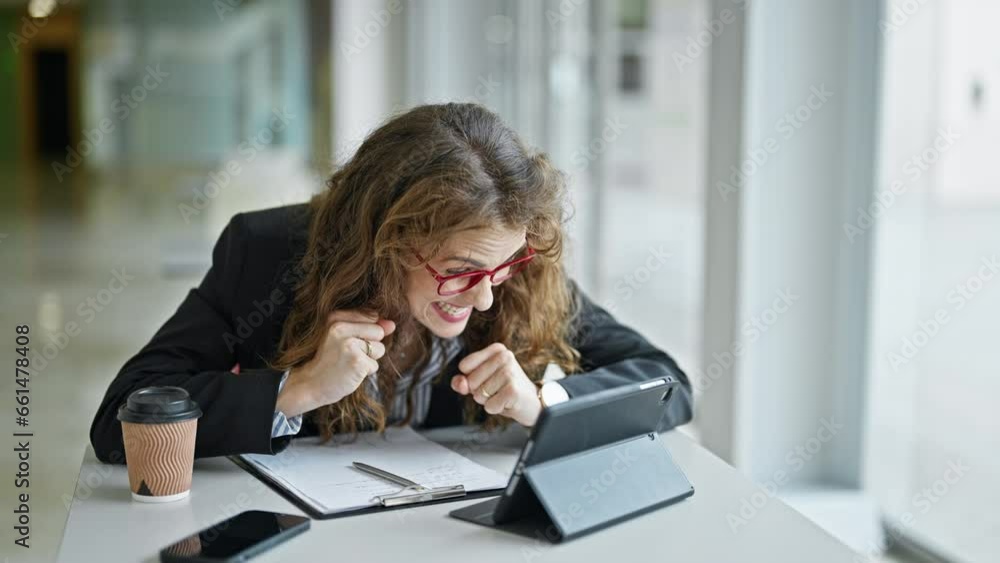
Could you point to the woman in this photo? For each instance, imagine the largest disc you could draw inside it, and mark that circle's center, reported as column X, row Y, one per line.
column 424, row 287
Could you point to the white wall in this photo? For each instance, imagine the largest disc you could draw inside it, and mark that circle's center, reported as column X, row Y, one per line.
column 368, row 68
column 797, row 340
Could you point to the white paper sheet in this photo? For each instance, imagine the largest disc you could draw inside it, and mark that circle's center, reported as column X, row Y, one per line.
column 324, row 477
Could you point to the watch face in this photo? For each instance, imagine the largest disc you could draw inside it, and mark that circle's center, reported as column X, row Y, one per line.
column 552, row 393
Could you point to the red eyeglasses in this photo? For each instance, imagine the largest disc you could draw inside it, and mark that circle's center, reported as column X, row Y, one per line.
column 458, row 283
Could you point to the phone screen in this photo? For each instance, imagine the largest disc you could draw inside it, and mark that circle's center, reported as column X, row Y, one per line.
column 242, row 535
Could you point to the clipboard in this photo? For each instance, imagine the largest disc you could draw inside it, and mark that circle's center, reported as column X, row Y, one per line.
column 443, row 486
column 406, row 501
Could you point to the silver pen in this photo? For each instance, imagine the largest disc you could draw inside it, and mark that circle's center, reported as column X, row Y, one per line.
column 402, row 481
column 421, row 493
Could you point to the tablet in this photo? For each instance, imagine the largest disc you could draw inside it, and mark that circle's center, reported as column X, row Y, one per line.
column 583, row 423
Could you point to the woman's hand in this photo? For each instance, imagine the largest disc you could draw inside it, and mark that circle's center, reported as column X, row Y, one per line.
column 341, row 363
column 495, row 380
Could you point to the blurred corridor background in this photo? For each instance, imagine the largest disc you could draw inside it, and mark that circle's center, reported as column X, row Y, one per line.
column 795, row 198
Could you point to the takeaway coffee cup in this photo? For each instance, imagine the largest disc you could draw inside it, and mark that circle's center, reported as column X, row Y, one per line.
column 159, row 425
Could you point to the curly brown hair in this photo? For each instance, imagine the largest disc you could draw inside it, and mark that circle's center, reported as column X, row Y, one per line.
column 418, row 179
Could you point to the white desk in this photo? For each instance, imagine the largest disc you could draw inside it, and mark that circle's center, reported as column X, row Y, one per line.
column 105, row 525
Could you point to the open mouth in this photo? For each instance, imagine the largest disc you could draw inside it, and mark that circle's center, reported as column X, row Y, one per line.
column 450, row 312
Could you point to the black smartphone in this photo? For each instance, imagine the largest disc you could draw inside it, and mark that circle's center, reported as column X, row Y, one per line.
column 236, row 539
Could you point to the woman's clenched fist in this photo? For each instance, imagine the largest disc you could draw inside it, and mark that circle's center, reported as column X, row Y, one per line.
column 349, row 353
column 496, row 380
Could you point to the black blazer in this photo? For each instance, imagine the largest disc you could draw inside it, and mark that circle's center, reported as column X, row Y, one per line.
column 236, row 316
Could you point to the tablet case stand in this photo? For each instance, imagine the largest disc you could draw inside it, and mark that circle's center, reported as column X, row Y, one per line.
column 586, row 491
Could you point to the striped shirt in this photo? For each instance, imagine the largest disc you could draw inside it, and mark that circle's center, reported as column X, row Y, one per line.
column 442, row 352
